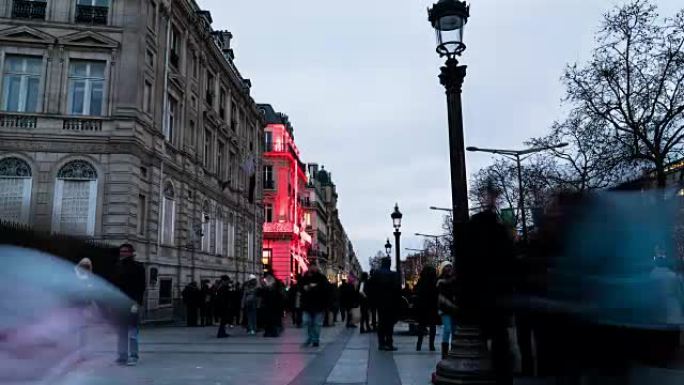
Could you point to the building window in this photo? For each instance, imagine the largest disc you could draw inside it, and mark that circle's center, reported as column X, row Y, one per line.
column 268, row 141
column 269, row 184
column 142, row 213
column 222, row 104
column 174, row 47
column 195, row 65
column 206, row 228
column 219, row 234
column 220, row 154
column 250, row 245
column 193, row 134
column 165, row 291
column 21, row 83
column 92, row 11
column 171, row 117
column 268, row 212
column 266, row 258
column 147, row 97
column 152, row 15
column 86, row 87
column 234, row 118
column 207, row 148
column 232, row 164
column 210, row 88
column 168, row 220
column 75, row 200
column 15, row 190
column 29, row 9
column 231, row 235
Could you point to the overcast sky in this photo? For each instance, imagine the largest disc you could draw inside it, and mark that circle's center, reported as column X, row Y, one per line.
column 358, row 79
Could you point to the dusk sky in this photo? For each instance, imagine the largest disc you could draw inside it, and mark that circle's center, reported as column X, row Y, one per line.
column 358, row 79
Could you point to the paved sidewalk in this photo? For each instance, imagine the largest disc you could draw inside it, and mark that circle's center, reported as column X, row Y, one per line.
column 193, row 356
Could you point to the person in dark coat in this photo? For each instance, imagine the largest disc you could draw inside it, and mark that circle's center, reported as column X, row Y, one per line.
column 364, row 302
column 426, row 306
column 315, row 297
column 206, row 309
column 129, row 277
column 386, row 294
column 348, row 301
column 192, row 299
column 223, row 303
column 272, row 303
column 485, row 275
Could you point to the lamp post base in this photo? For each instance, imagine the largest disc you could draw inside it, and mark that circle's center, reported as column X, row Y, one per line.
column 468, row 361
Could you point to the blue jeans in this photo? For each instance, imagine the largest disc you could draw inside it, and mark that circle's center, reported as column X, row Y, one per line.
column 127, row 335
column 313, row 322
column 447, row 328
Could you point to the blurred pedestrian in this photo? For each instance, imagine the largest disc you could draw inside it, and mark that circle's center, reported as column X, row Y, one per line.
column 426, row 306
column 335, row 303
column 446, row 303
column 192, row 299
column 86, row 302
column 294, row 295
column 372, row 306
column 315, row 295
column 223, row 303
column 206, row 309
column 364, row 303
column 272, row 300
column 129, row 277
column 348, row 301
column 386, row 294
column 250, row 303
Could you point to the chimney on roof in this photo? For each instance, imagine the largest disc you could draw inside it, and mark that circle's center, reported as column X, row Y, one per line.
column 223, row 39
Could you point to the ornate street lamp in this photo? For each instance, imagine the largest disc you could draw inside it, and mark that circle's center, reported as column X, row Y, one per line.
column 396, row 222
column 468, row 362
column 388, row 248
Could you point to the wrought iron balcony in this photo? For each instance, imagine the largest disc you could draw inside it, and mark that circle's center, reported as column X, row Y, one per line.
column 91, row 14
column 78, row 124
column 23, row 9
column 17, row 121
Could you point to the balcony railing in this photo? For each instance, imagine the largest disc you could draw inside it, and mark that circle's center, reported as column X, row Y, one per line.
column 82, row 125
column 23, row 9
column 91, row 14
column 269, row 185
column 17, row 121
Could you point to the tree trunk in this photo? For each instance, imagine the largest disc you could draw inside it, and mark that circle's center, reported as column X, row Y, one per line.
column 661, row 177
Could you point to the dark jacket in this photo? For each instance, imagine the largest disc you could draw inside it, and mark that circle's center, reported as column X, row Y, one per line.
column 426, row 303
column 348, row 296
column 315, row 290
column 386, row 291
column 129, row 277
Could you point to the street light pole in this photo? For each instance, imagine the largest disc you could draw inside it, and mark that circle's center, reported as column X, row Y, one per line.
column 396, row 222
column 518, row 155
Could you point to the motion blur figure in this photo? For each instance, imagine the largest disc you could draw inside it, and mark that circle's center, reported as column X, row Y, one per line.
column 44, row 307
column 598, row 301
column 129, row 277
column 385, row 288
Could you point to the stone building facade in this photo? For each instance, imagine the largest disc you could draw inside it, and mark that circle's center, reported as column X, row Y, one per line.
column 127, row 121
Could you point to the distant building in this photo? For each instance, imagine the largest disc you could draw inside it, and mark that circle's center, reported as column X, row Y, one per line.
column 127, row 121
column 286, row 242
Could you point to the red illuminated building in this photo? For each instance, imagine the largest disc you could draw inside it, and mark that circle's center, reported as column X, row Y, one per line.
column 285, row 241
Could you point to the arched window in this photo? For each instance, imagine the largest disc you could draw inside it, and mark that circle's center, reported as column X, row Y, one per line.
column 75, row 201
column 219, row 232
column 168, row 217
column 206, row 227
column 15, row 190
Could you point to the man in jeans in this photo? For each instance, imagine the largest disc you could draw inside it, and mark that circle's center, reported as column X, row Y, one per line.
column 314, row 301
column 129, row 277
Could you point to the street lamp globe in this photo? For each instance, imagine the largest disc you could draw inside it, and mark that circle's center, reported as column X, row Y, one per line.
column 396, row 217
column 448, row 18
column 388, row 247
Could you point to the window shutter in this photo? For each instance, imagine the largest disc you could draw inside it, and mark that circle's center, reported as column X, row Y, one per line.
column 168, row 221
